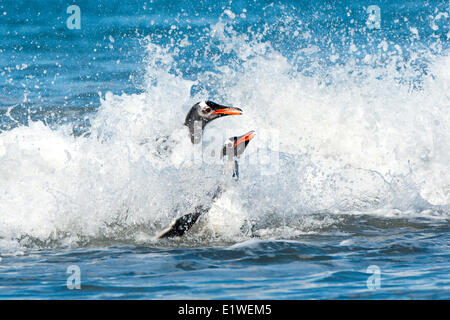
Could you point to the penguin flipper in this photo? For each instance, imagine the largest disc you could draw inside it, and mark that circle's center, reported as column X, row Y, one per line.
column 179, row 227
column 236, row 170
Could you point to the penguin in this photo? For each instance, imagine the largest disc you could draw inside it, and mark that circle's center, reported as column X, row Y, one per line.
column 197, row 118
column 204, row 112
column 234, row 147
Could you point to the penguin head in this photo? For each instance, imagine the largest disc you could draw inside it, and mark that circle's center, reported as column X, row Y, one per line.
column 235, row 146
column 202, row 113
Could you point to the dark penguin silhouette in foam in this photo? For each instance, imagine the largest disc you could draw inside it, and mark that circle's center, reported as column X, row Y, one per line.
column 234, row 147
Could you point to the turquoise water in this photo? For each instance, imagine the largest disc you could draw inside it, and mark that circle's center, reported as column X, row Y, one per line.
column 354, row 202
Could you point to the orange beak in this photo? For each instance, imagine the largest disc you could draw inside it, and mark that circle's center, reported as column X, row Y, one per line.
column 246, row 137
column 228, row 111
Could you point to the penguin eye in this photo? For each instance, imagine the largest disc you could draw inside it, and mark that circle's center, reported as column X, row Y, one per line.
column 207, row 110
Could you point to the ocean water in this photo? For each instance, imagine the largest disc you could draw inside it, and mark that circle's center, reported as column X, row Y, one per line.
column 343, row 194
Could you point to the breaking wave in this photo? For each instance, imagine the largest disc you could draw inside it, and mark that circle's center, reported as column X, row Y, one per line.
column 360, row 129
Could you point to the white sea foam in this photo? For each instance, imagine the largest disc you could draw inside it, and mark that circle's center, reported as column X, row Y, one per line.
column 360, row 144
